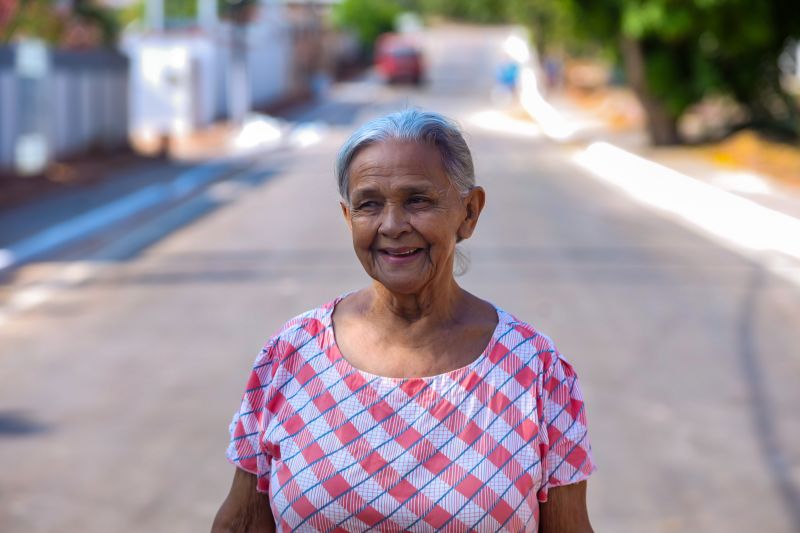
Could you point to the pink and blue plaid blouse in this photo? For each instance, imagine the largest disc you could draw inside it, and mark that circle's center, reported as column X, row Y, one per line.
column 475, row 449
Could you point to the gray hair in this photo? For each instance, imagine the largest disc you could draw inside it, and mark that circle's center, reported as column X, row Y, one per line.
column 424, row 127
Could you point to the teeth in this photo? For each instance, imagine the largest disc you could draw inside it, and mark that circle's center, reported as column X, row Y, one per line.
column 403, row 253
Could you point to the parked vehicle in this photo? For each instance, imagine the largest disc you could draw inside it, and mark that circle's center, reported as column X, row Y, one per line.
column 398, row 59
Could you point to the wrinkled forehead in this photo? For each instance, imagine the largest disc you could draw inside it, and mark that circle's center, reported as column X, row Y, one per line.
column 397, row 153
column 398, row 163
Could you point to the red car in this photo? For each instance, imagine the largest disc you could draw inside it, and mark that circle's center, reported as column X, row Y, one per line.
column 398, row 59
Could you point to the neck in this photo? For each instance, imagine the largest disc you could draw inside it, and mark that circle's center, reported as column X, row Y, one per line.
column 429, row 306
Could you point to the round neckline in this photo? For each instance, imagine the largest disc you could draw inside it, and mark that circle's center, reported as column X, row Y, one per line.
column 454, row 374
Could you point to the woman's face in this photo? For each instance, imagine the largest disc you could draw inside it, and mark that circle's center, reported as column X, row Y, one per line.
column 405, row 215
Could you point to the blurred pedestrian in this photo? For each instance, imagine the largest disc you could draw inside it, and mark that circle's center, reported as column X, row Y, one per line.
column 553, row 70
column 410, row 404
column 505, row 89
column 507, row 75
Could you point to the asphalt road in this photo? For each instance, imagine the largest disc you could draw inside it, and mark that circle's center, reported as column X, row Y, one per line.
column 115, row 395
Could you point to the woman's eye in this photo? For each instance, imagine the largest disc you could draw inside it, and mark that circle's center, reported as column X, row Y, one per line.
column 367, row 204
column 418, row 200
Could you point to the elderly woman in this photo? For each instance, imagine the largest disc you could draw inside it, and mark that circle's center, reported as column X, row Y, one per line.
column 411, row 404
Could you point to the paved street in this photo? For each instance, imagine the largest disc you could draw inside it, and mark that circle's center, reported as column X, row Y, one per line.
column 116, row 393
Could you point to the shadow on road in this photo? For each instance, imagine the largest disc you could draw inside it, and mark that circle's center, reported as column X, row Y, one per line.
column 761, row 412
column 175, row 217
column 19, row 424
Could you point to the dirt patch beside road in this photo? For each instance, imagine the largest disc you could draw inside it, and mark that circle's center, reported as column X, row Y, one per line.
column 68, row 175
column 746, row 150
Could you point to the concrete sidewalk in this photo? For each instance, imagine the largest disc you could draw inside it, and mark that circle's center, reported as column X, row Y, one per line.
column 747, row 212
column 745, row 182
column 58, row 219
column 45, row 207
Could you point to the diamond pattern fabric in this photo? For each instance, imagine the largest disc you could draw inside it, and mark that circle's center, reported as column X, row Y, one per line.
column 475, row 449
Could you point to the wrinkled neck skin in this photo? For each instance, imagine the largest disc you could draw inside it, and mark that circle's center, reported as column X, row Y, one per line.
column 436, row 305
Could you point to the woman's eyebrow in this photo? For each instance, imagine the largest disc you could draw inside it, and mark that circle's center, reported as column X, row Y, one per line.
column 364, row 191
column 404, row 189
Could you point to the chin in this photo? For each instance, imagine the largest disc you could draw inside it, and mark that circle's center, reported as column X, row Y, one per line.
column 405, row 287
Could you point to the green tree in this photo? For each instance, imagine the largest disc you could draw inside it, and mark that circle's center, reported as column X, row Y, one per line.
column 367, row 18
column 549, row 21
column 103, row 18
column 184, row 12
column 43, row 19
column 481, row 11
column 179, row 12
column 676, row 52
column 32, row 18
column 238, row 11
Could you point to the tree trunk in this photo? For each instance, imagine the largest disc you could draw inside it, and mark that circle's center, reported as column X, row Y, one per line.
column 772, row 108
column 662, row 127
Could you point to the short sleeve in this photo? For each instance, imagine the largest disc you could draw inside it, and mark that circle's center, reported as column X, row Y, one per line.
column 567, row 452
column 246, row 449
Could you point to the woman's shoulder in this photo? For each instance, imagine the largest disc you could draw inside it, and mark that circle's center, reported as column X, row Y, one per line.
column 305, row 325
column 524, row 339
column 298, row 332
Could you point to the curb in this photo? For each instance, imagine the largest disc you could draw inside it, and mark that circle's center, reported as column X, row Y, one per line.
column 123, row 209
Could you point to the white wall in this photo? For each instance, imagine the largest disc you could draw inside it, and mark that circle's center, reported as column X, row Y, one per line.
column 269, row 61
column 8, row 116
column 85, row 105
column 183, row 81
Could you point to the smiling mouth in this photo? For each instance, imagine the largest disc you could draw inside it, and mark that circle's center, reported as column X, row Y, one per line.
column 400, row 252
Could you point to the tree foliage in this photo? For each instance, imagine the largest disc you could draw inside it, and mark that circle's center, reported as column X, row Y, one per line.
column 675, row 52
column 367, row 18
column 100, row 17
column 184, row 13
column 689, row 49
column 86, row 25
column 33, row 19
column 481, row 11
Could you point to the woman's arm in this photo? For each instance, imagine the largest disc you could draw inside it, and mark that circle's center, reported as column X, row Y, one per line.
column 565, row 510
column 245, row 510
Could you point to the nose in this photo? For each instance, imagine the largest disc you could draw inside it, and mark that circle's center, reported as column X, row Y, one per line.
column 394, row 221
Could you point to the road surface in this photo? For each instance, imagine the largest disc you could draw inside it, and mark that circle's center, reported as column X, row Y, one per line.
column 116, row 393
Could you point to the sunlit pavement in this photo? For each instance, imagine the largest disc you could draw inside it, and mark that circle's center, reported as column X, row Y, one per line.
column 117, row 387
column 712, row 199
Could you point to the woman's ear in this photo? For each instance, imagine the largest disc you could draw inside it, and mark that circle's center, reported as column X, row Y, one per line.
column 346, row 213
column 473, row 205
